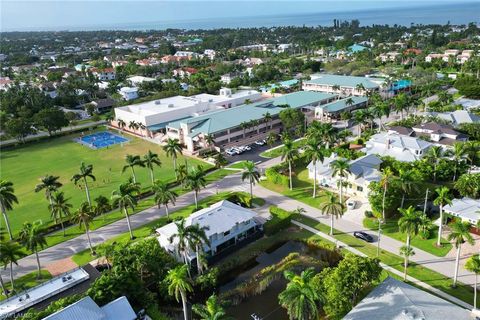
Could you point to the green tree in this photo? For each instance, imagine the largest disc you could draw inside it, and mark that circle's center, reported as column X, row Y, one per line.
column 52, row 119
column 301, row 298
column 197, row 238
column 407, row 183
column 340, row 168
column 124, row 198
column 151, row 160
column 212, row 310
column 195, row 181
column 10, row 252
column 289, row 153
column 385, row 180
column 406, row 252
column 102, row 205
column 251, row 174
column 133, row 161
column 457, row 154
column 468, row 185
column 314, row 153
column 434, row 154
column 179, row 285
column 163, row 195
column 84, row 217
column 409, row 223
column 86, row 171
column 443, row 198
column 183, row 237
column 331, row 207
column 173, row 148
column 60, row 208
column 7, row 199
column 271, row 138
column 32, row 237
column 460, row 233
column 50, row 184
column 220, row 160
column 473, row 265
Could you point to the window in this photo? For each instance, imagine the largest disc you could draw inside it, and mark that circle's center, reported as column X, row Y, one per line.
column 359, row 188
column 226, row 233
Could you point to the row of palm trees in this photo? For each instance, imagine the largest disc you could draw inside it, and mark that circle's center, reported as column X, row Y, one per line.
column 132, row 125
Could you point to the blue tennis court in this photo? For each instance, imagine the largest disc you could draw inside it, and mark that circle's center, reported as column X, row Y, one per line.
column 101, row 140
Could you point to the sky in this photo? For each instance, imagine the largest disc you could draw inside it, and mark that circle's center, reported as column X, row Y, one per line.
column 63, row 14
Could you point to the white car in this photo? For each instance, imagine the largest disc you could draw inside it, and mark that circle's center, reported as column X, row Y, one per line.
column 230, row 152
column 351, row 204
column 260, row 142
column 246, row 148
column 237, row 150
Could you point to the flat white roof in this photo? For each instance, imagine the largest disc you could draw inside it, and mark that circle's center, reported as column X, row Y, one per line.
column 465, row 208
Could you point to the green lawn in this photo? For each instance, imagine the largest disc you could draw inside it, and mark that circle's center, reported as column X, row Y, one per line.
column 390, row 228
column 238, row 165
column 62, row 156
column 435, row 279
column 27, row 281
column 273, row 153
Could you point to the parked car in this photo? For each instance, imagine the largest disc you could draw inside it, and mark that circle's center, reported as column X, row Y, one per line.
column 260, row 142
column 363, row 236
column 230, row 152
column 351, row 204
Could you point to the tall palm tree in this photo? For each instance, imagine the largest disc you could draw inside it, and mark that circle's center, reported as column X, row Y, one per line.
column 32, row 237
column 406, row 252
column 212, row 310
column 331, row 207
column 458, row 152
column 133, row 161
column 314, row 153
column 251, row 173
column 473, row 265
column 385, row 180
column 151, row 160
column 121, row 124
column 179, row 285
column 197, row 238
column 50, row 184
column 84, row 216
column 195, row 181
column 472, row 152
column 124, row 198
column 268, row 118
column 220, row 161
column 4, row 263
column 409, row 224
column 102, row 205
column 173, row 148
column 443, row 198
column 407, row 183
column 7, row 199
column 301, row 298
column 434, row 154
column 340, row 168
column 10, row 252
column 86, row 171
column 289, row 153
column 163, row 195
column 182, row 235
column 460, row 233
column 60, row 208
column 271, row 138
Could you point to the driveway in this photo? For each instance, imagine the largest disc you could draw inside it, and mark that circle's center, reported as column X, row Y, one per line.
column 357, row 214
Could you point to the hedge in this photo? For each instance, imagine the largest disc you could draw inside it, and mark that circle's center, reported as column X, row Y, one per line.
column 273, row 175
column 280, row 220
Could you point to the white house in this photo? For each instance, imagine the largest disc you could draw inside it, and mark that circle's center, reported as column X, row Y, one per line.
column 106, row 74
column 228, row 77
column 344, row 85
column 226, row 224
column 362, row 171
column 129, row 93
column 400, row 147
column 457, row 117
column 210, row 53
column 439, row 133
column 137, row 80
column 466, row 208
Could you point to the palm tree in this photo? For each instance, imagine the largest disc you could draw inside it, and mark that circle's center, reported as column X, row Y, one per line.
column 314, row 153
column 123, row 198
column 301, row 297
column 443, row 198
column 84, row 216
column 460, row 233
column 244, row 125
column 173, row 148
column 251, row 173
column 102, row 205
column 210, row 139
column 179, row 284
column 385, row 180
column 197, row 238
column 32, row 237
column 183, row 237
column 434, row 154
column 60, row 208
column 407, row 183
column 409, row 223
column 133, row 161
column 289, row 153
column 86, row 171
column 268, row 118
column 457, row 153
column 340, row 168
column 10, row 252
column 181, row 173
column 2, row 262
column 271, row 138
column 7, row 199
column 473, row 265
column 406, row 252
column 212, row 310
column 150, row 160
column 163, row 195
column 220, row 160
column 50, row 184
column 336, row 88
column 360, row 116
column 472, row 152
column 195, row 181
column 121, row 124
column 331, row 207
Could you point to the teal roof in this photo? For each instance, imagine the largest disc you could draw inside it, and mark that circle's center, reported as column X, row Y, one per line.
column 283, row 84
column 356, row 48
column 224, row 119
column 345, row 81
column 340, row 105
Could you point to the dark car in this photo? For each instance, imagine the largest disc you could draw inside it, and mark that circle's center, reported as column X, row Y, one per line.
column 362, row 235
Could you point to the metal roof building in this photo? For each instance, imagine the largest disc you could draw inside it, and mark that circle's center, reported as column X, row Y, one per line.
column 465, row 208
column 348, row 85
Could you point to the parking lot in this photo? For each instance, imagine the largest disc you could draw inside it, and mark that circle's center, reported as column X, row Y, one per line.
column 252, row 155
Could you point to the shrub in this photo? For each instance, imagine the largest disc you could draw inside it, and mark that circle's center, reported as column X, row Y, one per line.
column 369, row 214
column 273, row 175
column 280, row 220
column 241, row 199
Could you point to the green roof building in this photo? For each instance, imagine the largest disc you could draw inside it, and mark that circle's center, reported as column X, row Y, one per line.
column 334, row 109
column 343, row 85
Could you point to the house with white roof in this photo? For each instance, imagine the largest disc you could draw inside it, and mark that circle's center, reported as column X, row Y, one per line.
column 363, row 171
column 401, row 147
column 457, row 117
column 137, row 80
column 129, row 93
column 466, row 208
column 226, row 224
column 343, row 85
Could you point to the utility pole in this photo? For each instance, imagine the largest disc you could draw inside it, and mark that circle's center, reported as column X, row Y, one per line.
column 425, row 205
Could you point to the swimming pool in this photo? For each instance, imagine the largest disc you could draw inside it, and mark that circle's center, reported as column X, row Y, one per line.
column 101, row 140
column 400, row 84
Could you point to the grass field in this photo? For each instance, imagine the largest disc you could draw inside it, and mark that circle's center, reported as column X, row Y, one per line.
column 62, row 157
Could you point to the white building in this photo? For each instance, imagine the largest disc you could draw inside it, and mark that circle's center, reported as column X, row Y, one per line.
column 363, row 171
column 187, row 54
column 129, row 93
column 137, row 80
column 343, row 85
column 210, row 53
column 467, row 209
column 457, row 117
column 226, row 224
column 106, row 74
column 400, row 147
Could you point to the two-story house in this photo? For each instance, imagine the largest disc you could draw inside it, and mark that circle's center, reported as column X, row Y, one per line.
column 106, row 74
column 401, row 147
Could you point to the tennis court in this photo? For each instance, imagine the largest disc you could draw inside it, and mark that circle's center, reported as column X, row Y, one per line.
column 101, row 140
